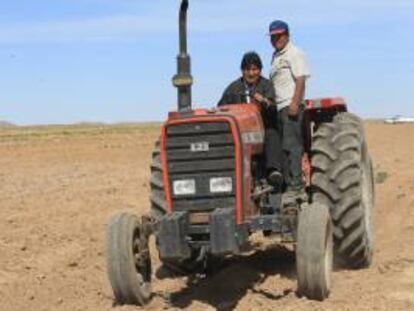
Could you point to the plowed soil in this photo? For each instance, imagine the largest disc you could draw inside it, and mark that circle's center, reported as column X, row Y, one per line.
column 60, row 185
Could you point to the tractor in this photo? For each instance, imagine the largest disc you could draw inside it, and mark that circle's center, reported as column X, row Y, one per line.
column 208, row 194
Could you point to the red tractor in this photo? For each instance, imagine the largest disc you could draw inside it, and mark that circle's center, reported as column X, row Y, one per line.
column 208, row 194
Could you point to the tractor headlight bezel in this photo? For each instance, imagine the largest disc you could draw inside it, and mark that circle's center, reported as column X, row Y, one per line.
column 184, row 187
column 221, row 185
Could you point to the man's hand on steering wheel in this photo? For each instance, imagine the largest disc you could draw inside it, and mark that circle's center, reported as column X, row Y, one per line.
column 263, row 102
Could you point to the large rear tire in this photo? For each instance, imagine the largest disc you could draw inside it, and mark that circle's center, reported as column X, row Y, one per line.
column 128, row 260
column 343, row 180
column 314, row 252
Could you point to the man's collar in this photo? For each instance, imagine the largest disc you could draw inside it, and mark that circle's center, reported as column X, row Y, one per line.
column 285, row 49
column 255, row 85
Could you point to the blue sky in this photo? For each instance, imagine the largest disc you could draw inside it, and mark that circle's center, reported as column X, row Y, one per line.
column 64, row 61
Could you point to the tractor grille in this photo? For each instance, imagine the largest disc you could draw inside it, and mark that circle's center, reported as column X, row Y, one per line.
column 200, row 152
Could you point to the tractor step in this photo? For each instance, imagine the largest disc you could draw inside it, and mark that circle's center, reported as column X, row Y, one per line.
column 266, row 223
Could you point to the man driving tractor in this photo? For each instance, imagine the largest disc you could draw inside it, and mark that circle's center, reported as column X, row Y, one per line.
column 252, row 88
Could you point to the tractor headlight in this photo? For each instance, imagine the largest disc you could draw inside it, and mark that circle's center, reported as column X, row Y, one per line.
column 184, row 187
column 221, row 184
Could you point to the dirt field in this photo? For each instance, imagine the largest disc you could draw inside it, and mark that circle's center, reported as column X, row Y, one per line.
column 59, row 186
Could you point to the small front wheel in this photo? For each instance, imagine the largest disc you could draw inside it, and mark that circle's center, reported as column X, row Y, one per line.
column 128, row 260
column 314, row 252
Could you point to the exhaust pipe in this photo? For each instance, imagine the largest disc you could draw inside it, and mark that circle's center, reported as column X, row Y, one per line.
column 183, row 79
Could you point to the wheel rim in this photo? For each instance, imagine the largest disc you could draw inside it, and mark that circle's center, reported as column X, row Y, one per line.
column 142, row 261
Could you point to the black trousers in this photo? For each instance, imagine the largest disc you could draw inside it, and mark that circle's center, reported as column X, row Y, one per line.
column 273, row 148
column 291, row 130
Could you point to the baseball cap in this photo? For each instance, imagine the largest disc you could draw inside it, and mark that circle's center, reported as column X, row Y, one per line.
column 278, row 27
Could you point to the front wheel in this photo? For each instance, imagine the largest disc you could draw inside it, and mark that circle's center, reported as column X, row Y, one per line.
column 314, row 252
column 128, row 260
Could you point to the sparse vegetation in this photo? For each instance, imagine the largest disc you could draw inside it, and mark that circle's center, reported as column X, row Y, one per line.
column 381, row 177
column 401, row 196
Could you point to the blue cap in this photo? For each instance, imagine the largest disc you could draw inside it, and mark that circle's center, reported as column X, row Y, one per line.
column 278, row 27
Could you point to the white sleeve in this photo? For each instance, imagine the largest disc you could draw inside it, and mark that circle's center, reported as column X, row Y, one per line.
column 299, row 65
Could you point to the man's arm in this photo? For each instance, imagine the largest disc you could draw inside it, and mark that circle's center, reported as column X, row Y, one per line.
column 268, row 98
column 297, row 96
column 259, row 98
column 300, row 70
column 224, row 99
column 228, row 95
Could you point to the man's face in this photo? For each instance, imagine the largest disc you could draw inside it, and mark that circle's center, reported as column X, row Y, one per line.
column 251, row 74
column 279, row 41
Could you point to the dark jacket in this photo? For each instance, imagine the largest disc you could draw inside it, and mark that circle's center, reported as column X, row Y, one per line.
column 239, row 92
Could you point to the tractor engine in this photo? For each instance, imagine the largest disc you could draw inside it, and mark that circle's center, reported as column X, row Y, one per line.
column 205, row 163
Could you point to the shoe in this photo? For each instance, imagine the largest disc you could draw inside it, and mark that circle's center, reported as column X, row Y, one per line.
column 275, row 177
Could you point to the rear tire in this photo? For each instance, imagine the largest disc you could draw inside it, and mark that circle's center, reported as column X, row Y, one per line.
column 128, row 260
column 343, row 180
column 314, row 252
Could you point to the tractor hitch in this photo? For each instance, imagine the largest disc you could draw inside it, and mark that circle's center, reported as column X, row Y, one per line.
column 175, row 240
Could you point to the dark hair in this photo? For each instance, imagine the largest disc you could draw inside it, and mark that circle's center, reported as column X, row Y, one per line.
column 249, row 59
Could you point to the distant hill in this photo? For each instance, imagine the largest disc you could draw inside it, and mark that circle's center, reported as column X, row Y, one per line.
column 87, row 123
column 5, row 124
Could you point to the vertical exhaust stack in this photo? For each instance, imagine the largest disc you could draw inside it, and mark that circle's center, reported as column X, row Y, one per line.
column 183, row 79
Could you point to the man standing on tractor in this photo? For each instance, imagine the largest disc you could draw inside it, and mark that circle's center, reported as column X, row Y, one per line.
column 289, row 73
column 252, row 88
